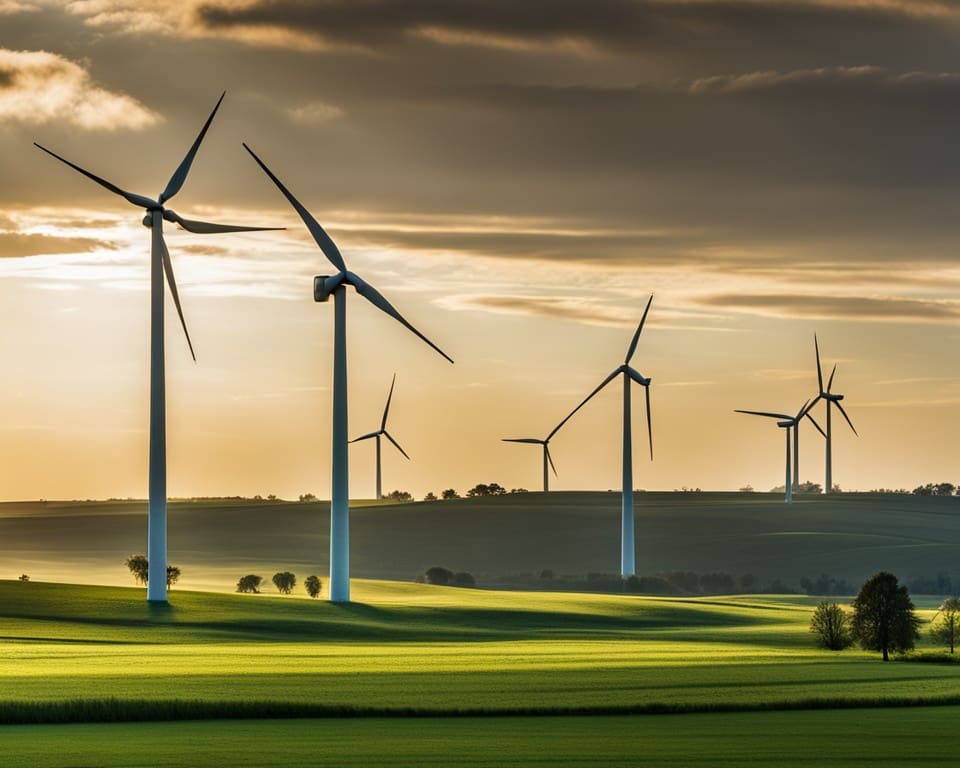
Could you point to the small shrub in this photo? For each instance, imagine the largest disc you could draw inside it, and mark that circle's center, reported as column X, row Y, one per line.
column 24, row 577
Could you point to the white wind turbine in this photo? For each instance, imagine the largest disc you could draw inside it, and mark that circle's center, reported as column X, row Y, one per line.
column 832, row 399
column 382, row 432
column 161, row 265
column 323, row 287
column 788, row 422
column 627, row 542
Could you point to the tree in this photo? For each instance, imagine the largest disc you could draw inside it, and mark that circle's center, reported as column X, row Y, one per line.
column 24, row 577
column 399, row 496
column 431, row 496
column 312, row 585
column 463, row 579
column 831, row 625
column 438, row 575
column 450, row 493
column 810, row 487
column 139, row 566
column 173, row 575
column 307, row 497
column 284, row 582
column 483, row 489
column 250, row 584
column 946, row 631
column 883, row 616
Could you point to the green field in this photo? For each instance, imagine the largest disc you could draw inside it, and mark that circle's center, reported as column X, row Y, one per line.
column 503, row 541
column 418, row 675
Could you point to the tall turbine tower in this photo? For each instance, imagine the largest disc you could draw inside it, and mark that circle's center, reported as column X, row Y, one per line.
column 382, row 431
column 323, row 287
column 628, row 564
column 832, row 399
column 788, row 422
column 161, row 265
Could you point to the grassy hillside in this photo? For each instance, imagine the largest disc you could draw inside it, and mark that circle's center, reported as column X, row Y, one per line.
column 105, row 653
column 848, row 536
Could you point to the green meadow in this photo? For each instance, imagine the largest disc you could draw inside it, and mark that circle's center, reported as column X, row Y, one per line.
column 413, row 674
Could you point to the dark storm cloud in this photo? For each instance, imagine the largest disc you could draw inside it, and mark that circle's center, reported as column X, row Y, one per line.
column 839, row 307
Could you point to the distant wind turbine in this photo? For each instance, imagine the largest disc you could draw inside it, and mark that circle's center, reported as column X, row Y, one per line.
column 547, row 458
column 788, row 422
column 323, row 287
column 627, row 542
column 832, row 399
column 382, row 431
column 160, row 266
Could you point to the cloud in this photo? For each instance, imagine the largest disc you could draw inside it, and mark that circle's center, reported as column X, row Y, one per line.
column 39, row 87
column 15, row 245
column 550, row 307
column 315, row 112
column 868, row 308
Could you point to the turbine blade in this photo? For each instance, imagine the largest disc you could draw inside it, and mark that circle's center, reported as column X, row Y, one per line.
column 376, row 298
column 364, row 437
column 130, row 197
column 587, row 398
column 800, row 414
column 814, row 421
column 636, row 336
column 206, row 228
column 172, row 282
column 764, row 413
column 832, row 374
column 180, row 175
column 635, row 375
column 816, row 346
column 395, row 444
column 386, row 410
column 550, row 459
column 649, row 423
column 322, row 239
column 837, row 403
column 532, row 440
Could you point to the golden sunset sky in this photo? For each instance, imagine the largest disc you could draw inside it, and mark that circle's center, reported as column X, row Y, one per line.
column 517, row 178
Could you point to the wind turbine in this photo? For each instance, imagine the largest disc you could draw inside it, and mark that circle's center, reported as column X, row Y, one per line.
column 323, row 287
column 382, row 431
column 832, row 399
column 627, row 543
column 788, row 422
column 547, row 458
column 161, row 265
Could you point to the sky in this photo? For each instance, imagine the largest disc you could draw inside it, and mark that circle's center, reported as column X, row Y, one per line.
column 517, row 179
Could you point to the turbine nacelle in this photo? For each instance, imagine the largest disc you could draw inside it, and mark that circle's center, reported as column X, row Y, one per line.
column 320, row 290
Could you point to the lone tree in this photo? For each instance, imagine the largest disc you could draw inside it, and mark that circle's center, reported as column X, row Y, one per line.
column 883, row 616
column 250, row 584
column 450, row 493
column 139, row 567
column 312, row 585
column 946, row 624
column 284, row 582
column 831, row 625
column 173, row 575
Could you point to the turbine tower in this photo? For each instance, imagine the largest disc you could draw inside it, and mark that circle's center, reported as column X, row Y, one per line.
column 547, row 458
column 627, row 542
column 832, row 399
column 323, row 287
column 382, row 431
column 161, row 265
column 788, row 422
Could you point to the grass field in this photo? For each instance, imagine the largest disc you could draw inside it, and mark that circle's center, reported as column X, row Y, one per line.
column 848, row 536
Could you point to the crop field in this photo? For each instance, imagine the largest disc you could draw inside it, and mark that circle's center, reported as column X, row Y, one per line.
column 417, row 675
column 498, row 539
